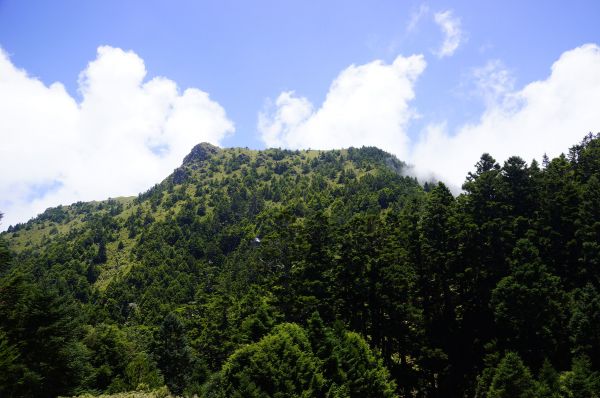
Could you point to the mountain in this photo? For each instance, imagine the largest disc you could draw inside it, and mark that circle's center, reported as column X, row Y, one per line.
column 312, row 273
column 216, row 189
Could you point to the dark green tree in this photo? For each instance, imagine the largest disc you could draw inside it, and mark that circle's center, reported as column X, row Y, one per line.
column 584, row 324
column 45, row 326
column 581, row 380
column 435, row 278
column 313, row 266
column 557, row 222
column 173, row 354
column 548, row 385
column 142, row 373
column 110, row 353
column 364, row 373
column 512, row 379
column 279, row 365
column 10, row 366
column 528, row 306
column 588, row 231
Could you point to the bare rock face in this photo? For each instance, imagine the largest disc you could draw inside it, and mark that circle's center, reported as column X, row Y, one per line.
column 200, row 153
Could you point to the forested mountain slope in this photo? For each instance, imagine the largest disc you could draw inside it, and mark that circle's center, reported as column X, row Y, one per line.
column 313, row 273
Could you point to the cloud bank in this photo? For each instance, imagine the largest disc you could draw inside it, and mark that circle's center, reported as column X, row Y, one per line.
column 124, row 135
column 371, row 105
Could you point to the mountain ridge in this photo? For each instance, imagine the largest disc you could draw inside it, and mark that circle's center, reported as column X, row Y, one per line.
column 323, row 273
column 205, row 164
column 200, row 153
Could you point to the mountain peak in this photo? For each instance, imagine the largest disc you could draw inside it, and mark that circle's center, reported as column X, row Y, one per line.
column 200, row 152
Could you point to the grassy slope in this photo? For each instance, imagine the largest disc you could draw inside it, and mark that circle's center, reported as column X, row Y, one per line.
column 206, row 175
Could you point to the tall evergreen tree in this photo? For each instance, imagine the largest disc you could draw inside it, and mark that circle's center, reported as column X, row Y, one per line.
column 512, row 379
column 588, row 231
column 528, row 307
column 45, row 326
column 173, row 353
column 436, row 285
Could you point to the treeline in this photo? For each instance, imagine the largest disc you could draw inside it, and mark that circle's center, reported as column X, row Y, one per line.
column 281, row 273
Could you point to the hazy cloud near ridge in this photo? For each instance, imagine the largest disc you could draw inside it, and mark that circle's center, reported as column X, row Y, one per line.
column 122, row 137
column 545, row 116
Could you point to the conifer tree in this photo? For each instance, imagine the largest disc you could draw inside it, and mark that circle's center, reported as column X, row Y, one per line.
column 512, row 379
column 173, row 353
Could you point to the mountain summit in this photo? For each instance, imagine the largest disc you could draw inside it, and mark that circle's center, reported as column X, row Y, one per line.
column 200, row 153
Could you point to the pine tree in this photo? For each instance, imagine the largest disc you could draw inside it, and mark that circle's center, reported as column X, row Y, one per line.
column 435, row 280
column 173, row 353
column 10, row 367
column 512, row 379
column 588, row 231
column 581, row 380
column 47, row 325
column 528, row 306
column 584, row 324
column 548, row 385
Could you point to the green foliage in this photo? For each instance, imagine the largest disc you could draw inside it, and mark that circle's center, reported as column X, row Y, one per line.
column 548, row 382
column 210, row 276
column 141, row 373
column 173, row 353
column 45, row 327
column 584, row 325
column 528, row 305
column 581, row 380
column 363, row 373
column 279, row 365
column 512, row 379
column 9, row 365
column 291, row 362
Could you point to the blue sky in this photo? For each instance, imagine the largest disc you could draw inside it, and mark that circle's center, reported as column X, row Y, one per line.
column 246, row 55
column 244, row 52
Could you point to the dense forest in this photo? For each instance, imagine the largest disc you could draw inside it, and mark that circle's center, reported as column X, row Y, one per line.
column 284, row 273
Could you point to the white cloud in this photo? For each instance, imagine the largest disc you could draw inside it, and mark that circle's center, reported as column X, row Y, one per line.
column 453, row 35
column 126, row 133
column 493, row 81
column 370, row 105
column 416, row 16
column 123, row 136
column 366, row 105
column 546, row 116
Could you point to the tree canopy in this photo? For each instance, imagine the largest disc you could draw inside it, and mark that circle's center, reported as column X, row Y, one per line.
column 313, row 273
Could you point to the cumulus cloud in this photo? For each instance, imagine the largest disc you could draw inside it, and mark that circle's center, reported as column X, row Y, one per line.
column 366, row 105
column 370, row 105
column 546, row 116
column 121, row 137
column 453, row 35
